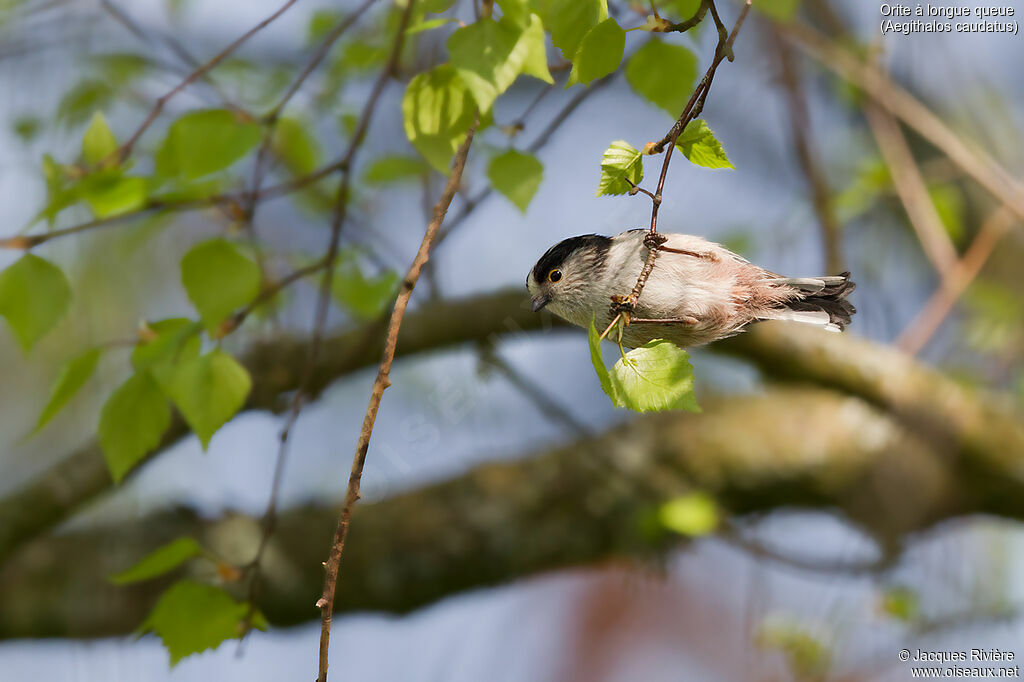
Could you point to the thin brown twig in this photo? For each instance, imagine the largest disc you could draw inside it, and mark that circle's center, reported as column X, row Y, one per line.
column 954, row 282
column 125, row 150
column 273, row 116
column 190, row 62
column 239, row 200
column 327, row 264
column 693, row 108
column 326, row 601
column 897, row 101
column 911, row 188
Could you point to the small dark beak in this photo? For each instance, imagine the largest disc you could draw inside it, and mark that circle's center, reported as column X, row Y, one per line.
column 539, row 301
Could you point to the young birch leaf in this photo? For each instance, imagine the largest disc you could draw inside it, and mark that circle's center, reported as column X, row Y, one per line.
column 599, row 54
column 161, row 560
column 569, row 20
column 294, row 145
column 517, row 176
column 191, row 617
column 603, row 376
column 655, row 377
column 694, row 514
column 652, row 378
column 699, row 145
column 437, row 110
column 204, row 142
column 209, row 391
column 98, row 143
column 219, row 279
column 663, row 74
column 72, row 377
column 165, row 344
column 132, row 422
column 620, row 162
column 34, row 296
column 516, row 11
column 388, row 169
column 490, row 54
column 536, row 62
column 779, row 10
column 109, row 193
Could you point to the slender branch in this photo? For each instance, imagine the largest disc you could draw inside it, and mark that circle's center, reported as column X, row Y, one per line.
column 190, row 62
column 693, row 109
column 911, row 189
column 326, row 601
column 532, row 500
column 954, row 282
column 327, row 265
column 126, row 149
column 273, row 116
column 817, row 181
column 897, row 101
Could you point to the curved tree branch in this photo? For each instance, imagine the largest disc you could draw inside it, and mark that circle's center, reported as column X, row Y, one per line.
column 503, row 521
column 984, row 428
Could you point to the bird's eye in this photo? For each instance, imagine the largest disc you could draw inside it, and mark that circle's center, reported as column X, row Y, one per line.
column 554, row 275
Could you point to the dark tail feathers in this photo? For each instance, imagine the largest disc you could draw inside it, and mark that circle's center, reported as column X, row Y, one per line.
column 830, row 298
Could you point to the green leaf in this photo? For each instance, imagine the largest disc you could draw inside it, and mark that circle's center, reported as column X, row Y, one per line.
column 603, row 375
column 435, row 6
column 685, row 8
column 209, row 391
column 654, row 377
column 536, row 62
column 516, row 11
column 694, row 514
column 901, row 603
column 517, row 176
column 26, row 127
column 72, row 377
column 204, row 142
column 488, row 56
column 98, row 142
column 79, row 103
column 132, row 422
column 34, row 296
column 294, row 145
column 600, row 52
column 191, row 617
column 568, row 21
column 109, row 193
column 164, row 344
column 428, row 25
column 663, row 74
column 620, row 162
column 699, row 145
column 779, row 10
column 219, row 279
column 388, row 169
column 320, row 24
column 121, row 67
column 808, row 657
column 437, row 111
column 162, row 560
column 364, row 297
